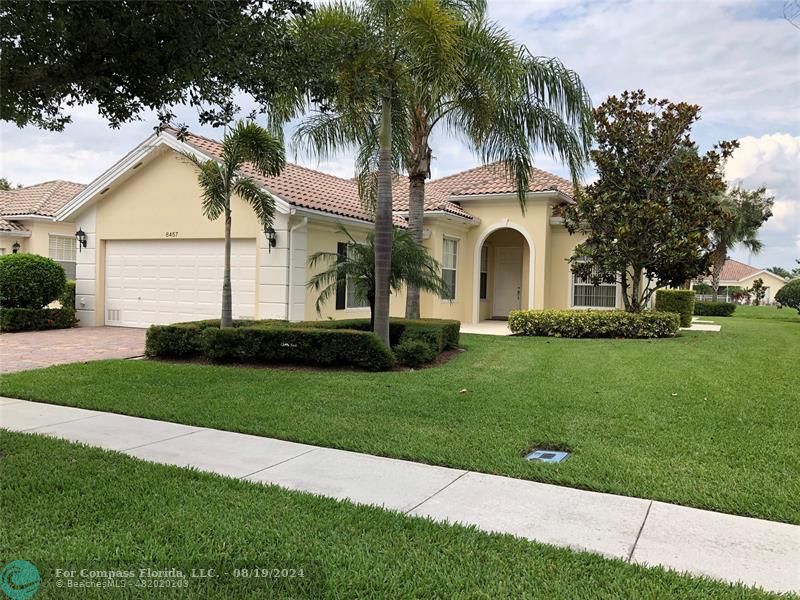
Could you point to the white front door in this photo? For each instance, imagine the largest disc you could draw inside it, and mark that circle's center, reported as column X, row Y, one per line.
column 167, row 281
column 507, row 280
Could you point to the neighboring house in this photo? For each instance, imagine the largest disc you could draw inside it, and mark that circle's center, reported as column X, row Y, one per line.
column 28, row 224
column 152, row 257
column 737, row 275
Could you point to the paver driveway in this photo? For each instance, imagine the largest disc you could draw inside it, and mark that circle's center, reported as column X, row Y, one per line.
column 36, row 349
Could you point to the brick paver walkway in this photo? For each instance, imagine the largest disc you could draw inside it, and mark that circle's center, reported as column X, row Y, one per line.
column 36, row 349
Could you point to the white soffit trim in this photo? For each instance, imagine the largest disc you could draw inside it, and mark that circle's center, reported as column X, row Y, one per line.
column 135, row 156
column 510, row 196
column 15, row 234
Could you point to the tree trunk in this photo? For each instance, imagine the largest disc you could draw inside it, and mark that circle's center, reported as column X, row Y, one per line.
column 717, row 262
column 383, row 224
column 227, row 311
column 636, row 286
column 418, row 171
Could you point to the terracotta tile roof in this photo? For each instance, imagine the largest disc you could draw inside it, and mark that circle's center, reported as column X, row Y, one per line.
column 733, row 270
column 434, row 199
column 301, row 186
column 10, row 225
column 43, row 199
column 494, row 179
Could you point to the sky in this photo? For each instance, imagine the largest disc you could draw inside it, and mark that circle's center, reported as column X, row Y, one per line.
column 738, row 59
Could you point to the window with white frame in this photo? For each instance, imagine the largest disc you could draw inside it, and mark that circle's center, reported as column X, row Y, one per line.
column 449, row 264
column 587, row 295
column 484, row 272
column 62, row 250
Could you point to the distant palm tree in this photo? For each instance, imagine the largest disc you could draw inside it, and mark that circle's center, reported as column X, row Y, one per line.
column 246, row 143
column 743, row 214
column 410, row 264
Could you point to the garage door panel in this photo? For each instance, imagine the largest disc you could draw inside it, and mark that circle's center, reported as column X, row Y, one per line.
column 166, row 281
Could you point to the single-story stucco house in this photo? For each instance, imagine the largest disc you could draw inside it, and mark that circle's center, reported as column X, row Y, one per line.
column 738, row 275
column 28, row 224
column 152, row 257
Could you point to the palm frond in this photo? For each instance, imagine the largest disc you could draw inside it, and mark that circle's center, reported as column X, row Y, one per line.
column 213, row 184
column 262, row 201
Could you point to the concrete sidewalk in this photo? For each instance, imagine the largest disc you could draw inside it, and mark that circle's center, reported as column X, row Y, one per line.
column 726, row 547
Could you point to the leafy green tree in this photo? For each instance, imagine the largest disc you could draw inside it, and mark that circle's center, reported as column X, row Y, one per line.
column 646, row 217
column 780, row 272
column 364, row 55
column 131, row 56
column 789, row 295
column 221, row 179
column 5, row 184
column 742, row 214
column 410, row 264
column 758, row 291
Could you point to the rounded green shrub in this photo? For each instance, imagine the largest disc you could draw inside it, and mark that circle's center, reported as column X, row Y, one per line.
column 30, row 281
column 789, row 295
column 594, row 323
column 677, row 301
column 414, row 352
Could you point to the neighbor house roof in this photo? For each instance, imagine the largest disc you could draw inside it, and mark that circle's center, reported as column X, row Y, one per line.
column 10, row 226
column 43, row 199
column 494, row 178
column 733, row 270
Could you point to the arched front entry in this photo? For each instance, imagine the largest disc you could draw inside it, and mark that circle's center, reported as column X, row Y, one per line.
column 503, row 272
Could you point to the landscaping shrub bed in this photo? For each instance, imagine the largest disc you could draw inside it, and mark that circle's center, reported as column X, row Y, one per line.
column 35, row 319
column 594, row 324
column 677, row 301
column 323, row 343
column 714, row 309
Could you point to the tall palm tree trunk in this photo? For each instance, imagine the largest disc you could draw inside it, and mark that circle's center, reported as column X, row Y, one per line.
column 227, row 308
column 383, row 223
column 418, row 172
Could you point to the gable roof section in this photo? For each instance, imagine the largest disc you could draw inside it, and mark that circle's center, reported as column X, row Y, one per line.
column 435, row 201
column 42, row 200
column 733, row 270
column 494, row 178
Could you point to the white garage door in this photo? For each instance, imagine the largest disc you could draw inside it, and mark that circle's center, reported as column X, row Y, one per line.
column 167, row 281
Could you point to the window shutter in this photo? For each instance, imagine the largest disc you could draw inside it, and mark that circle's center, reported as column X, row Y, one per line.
column 341, row 286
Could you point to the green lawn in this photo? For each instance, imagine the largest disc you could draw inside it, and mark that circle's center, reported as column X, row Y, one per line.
column 70, row 506
column 710, row 420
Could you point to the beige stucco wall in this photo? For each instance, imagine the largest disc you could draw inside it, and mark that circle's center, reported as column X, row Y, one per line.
column 39, row 240
column 773, row 282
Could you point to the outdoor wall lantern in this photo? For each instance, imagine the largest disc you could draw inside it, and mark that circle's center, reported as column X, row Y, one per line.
column 272, row 237
column 81, row 237
column 15, row 247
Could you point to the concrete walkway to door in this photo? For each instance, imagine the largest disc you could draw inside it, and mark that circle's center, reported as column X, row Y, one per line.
column 36, row 349
column 487, row 328
column 646, row 532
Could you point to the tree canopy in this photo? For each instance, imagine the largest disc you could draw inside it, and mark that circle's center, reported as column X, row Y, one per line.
column 646, row 218
column 129, row 56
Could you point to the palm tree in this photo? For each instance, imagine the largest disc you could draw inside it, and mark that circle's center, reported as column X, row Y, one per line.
column 410, row 263
column 506, row 104
column 246, row 143
column 365, row 55
column 743, row 213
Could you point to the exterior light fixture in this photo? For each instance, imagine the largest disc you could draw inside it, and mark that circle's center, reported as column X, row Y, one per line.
column 15, row 247
column 81, row 237
column 272, row 237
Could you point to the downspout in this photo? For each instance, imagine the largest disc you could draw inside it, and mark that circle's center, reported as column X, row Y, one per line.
column 290, row 287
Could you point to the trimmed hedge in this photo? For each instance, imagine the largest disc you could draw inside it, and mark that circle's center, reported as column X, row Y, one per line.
column 677, row 301
column 714, row 309
column 303, row 345
column 35, row 319
column 30, row 281
column 308, row 342
column 594, row 324
column 67, row 298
